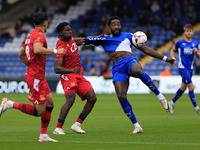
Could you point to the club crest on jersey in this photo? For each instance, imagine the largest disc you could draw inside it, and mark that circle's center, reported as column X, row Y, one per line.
column 74, row 47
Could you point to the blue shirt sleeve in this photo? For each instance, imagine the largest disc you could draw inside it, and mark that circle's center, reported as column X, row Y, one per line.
column 99, row 40
column 177, row 44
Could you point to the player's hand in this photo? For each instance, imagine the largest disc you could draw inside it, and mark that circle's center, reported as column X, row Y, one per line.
column 195, row 49
column 172, row 61
column 76, row 70
column 61, row 51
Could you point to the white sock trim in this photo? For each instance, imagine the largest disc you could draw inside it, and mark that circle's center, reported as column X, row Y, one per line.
column 137, row 124
column 160, row 96
column 77, row 123
column 196, row 108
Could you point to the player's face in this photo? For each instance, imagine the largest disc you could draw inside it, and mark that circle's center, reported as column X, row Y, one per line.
column 115, row 27
column 45, row 26
column 188, row 33
column 67, row 32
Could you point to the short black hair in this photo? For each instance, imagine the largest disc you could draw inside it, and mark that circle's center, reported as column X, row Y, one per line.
column 113, row 18
column 61, row 26
column 39, row 18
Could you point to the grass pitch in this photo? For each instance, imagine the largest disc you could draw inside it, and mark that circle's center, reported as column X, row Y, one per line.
column 107, row 127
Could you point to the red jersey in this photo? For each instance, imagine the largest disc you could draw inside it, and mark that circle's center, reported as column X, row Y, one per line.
column 71, row 58
column 36, row 63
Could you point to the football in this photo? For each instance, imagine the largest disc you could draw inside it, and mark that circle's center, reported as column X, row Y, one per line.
column 139, row 39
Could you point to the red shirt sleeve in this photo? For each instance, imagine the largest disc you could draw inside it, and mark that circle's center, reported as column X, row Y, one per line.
column 40, row 38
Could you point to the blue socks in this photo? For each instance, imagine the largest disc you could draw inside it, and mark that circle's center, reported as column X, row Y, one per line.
column 191, row 95
column 128, row 111
column 193, row 99
column 145, row 78
column 177, row 95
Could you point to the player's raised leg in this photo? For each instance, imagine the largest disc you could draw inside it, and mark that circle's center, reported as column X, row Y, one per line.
column 136, row 71
column 25, row 108
column 121, row 90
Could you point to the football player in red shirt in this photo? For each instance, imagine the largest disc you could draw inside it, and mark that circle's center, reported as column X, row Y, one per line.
column 69, row 67
column 33, row 54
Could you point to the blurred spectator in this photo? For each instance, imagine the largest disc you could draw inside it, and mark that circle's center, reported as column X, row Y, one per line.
column 133, row 30
column 103, row 20
column 129, row 4
column 157, row 20
column 87, row 22
column 166, row 11
column 87, row 48
column 177, row 9
column 18, row 26
column 166, row 72
column 141, row 20
column 146, row 31
column 97, row 69
column 88, row 65
column 95, row 7
column 116, row 11
column 22, row 17
column 75, row 33
column 62, row 7
column 176, row 27
column 26, row 27
column 40, row 8
column 191, row 15
column 155, row 7
column 126, row 12
column 167, row 24
column 52, row 8
column 81, row 33
column 29, row 18
column 105, row 72
column 4, row 31
column 11, row 31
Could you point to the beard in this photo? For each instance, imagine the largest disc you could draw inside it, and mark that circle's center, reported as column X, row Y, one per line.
column 116, row 32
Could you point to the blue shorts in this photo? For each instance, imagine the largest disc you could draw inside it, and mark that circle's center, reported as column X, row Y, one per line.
column 186, row 75
column 121, row 69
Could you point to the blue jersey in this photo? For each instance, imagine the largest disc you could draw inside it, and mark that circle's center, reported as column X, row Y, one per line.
column 111, row 43
column 186, row 53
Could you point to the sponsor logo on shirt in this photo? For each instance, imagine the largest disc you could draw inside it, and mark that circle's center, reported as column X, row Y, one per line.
column 188, row 51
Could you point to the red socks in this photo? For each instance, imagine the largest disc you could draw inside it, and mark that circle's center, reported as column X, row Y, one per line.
column 26, row 108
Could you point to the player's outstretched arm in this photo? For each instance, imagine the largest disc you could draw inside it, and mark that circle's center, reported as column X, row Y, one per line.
column 40, row 50
column 22, row 56
column 61, row 70
column 151, row 52
column 172, row 54
column 79, row 41
column 197, row 53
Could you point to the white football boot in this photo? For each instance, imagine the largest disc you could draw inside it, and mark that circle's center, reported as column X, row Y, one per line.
column 3, row 106
column 165, row 104
column 137, row 130
column 77, row 128
column 46, row 139
column 59, row 131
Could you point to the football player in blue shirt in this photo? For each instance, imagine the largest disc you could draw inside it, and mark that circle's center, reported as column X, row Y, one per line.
column 119, row 46
column 187, row 48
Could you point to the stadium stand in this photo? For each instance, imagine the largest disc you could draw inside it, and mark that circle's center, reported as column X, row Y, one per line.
column 159, row 20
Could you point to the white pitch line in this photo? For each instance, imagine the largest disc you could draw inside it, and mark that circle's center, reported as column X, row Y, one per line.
column 101, row 142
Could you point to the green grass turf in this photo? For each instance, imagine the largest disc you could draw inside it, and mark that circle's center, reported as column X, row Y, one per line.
column 107, row 126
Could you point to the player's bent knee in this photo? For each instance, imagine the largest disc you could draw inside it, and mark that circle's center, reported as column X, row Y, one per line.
column 121, row 97
column 41, row 112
